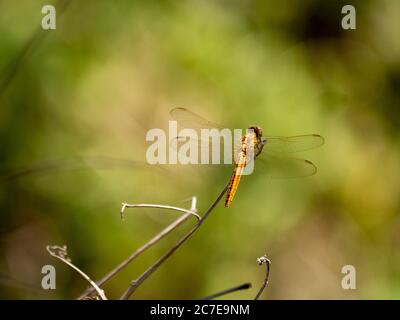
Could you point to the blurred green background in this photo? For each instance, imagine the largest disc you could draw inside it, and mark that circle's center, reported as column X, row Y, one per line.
column 113, row 69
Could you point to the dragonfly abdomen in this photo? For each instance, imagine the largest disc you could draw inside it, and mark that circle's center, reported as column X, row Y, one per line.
column 236, row 175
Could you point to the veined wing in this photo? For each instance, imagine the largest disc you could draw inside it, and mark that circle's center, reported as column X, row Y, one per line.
column 274, row 144
column 276, row 167
column 218, row 139
column 281, row 145
column 189, row 119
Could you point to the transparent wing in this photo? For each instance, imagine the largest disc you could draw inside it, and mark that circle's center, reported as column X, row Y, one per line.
column 189, row 119
column 275, row 145
column 216, row 149
column 283, row 167
column 278, row 145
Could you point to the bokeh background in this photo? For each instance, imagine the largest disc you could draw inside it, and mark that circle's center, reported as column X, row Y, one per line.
column 113, row 69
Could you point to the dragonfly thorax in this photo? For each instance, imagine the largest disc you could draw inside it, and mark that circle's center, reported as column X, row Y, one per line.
column 259, row 143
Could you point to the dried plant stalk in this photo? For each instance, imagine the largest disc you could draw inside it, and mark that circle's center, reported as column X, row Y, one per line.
column 187, row 214
column 61, row 254
column 263, row 260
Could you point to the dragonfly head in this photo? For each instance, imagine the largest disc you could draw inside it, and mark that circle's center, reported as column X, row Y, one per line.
column 257, row 130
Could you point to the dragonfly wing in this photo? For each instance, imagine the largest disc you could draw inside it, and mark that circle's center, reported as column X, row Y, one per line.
column 205, row 142
column 280, row 145
column 276, row 167
column 189, row 119
column 209, row 148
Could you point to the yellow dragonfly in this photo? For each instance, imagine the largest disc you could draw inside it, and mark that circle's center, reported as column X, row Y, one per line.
column 271, row 152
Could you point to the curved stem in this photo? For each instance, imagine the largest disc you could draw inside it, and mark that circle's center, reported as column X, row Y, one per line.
column 137, row 282
column 158, row 206
column 263, row 260
column 61, row 254
column 149, row 244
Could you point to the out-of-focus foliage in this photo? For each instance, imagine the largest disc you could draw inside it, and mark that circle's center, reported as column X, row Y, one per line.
column 113, row 69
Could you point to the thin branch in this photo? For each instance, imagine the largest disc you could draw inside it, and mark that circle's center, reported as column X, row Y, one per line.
column 263, row 260
column 149, row 244
column 61, row 254
column 137, row 282
column 193, row 201
column 158, row 206
column 244, row 286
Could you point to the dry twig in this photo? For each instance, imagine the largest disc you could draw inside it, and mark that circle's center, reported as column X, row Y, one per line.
column 188, row 213
column 263, row 260
column 137, row 282
column 244, row 286
column 157, row 206
column 61, row 254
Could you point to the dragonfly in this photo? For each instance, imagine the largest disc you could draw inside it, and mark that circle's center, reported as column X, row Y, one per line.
column 272, row 153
